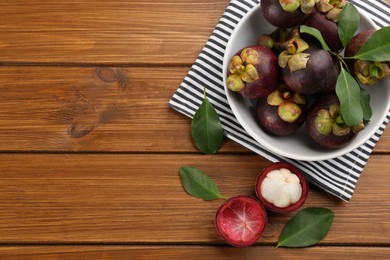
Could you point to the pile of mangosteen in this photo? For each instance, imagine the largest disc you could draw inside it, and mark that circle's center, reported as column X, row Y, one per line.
column 293, row 78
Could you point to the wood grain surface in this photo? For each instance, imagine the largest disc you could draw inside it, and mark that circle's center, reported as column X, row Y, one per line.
column 89, row 31
column 90, row 150
column 190, row 252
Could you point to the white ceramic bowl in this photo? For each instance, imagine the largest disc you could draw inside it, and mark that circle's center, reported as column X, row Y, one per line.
column 297, row 146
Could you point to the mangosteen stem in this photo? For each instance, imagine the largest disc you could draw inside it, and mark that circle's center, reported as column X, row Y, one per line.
column 266, row 40
column 294, row 33
column 339, row 120
column 369, row 72
column 379, row 70
column 286, row 94
column 344, row 64
column 374, row 71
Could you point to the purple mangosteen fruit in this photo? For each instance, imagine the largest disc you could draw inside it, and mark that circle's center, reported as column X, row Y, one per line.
column 325, row 124
column 282, row 39
column 282, row 112
column 367, row 72
column 327, row 27
column 253, row 72
column 357, row 42
column 335, row 72
column 308, row 72
column 285, row 13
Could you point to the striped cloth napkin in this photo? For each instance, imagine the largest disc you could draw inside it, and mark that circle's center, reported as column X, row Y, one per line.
column 337, row 176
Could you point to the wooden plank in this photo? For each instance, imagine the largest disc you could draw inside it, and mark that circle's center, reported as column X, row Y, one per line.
column 99, row 31
column 189, row 252
column 135, row 198
column 97, row 109
column 92, row 109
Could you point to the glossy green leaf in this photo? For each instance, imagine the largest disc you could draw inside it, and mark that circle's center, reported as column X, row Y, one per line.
column 348, row 92
column 316, row 33
column 348, row 23
column 377, row 48
column 306, row 228
column 365, row 102
column 206, row 128
column 198, row 184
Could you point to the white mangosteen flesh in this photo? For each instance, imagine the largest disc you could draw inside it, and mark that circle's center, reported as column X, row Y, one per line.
column 281, row 187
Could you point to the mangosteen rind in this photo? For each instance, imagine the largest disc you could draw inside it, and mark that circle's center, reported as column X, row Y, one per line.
column 316, row 77
column 275, row 15
column 256, row 72
column 246, row 223
column 328, row 29
column 278, row 114
column 327, row 138
column 296, row 189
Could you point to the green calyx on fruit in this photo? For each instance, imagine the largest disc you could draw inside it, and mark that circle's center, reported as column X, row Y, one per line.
column 293, row 56
column 242, row 69
column 306, row 6
column 287, row 103
column 331, row 122
column 235, row 83
column 296, row 45
column 331, row 8
column 266, row 40
column 323, row 122
column 282, row 39
column 289, row 112
column 369, row 72
column 290, row 5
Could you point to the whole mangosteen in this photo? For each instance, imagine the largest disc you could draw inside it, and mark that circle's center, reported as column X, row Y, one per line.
column 282, row 112
column 315, row 75
column 284, row 13
column 325, row 124
column 367, row 72
column 327, row 27
column 253, row 72
column 325, row 18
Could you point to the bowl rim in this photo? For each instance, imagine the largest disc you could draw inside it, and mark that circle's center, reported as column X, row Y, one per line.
column 334, row 153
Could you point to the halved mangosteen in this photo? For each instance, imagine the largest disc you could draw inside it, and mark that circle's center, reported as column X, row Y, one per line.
column 281, row 187
column 241, row 220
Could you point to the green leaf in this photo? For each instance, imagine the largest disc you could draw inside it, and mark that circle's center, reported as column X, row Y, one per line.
column 377, row 48
column 348, row 92
column 348, row 23
column 316, row 33
column 207, row 132
column 306, row 228
column 365, row 102
column 198, row 184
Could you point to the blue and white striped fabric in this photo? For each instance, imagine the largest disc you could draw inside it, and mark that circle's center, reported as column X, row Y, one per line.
column 337, row 176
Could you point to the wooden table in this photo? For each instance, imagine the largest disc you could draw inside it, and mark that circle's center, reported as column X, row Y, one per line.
column 90, row 150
